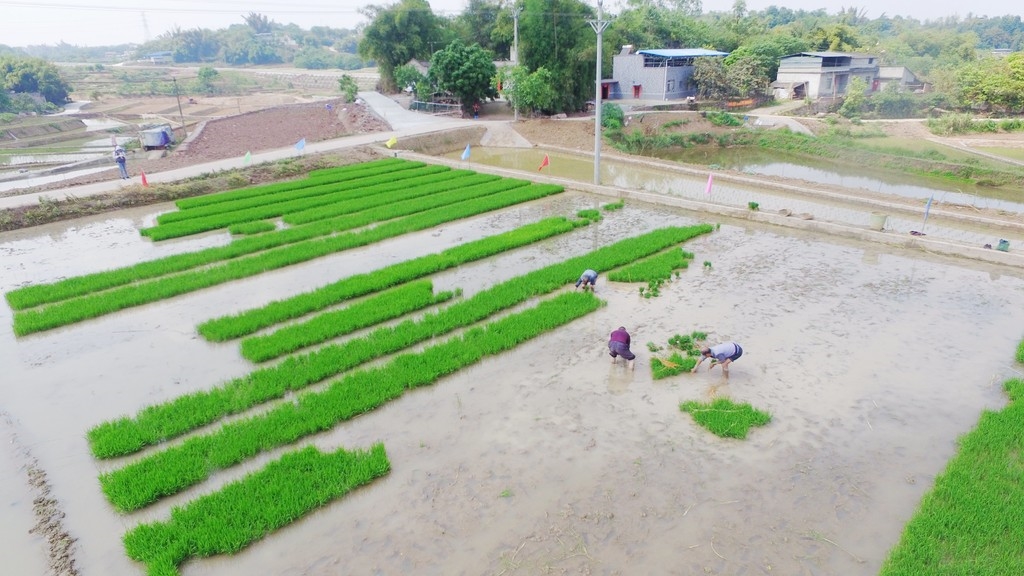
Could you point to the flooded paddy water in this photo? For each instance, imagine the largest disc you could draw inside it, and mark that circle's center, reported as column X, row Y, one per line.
column 550, row 459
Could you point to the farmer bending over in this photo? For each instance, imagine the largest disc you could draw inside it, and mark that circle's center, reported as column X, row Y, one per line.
column 618, row 345
column 588, row 278
column 725, row 353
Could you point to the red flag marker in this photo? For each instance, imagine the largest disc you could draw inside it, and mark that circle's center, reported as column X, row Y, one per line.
column 144, row 181
column 544, row 163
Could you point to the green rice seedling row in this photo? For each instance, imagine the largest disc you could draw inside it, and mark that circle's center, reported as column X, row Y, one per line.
column 382, row 307
column 330, row 193
column 313, row 178
column 31, row 296
column 657, row 267
column 249, row 228
column 161, row 422
column 335, row 191
column 174, row 469
column 278, row 209
column 725, row 418
column 251, row 321
column 246, row 510
column 376, row 209
column 455, row 183
column 94, row 305
column 969, row 523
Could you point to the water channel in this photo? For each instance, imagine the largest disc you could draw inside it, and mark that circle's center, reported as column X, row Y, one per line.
column 647, row 177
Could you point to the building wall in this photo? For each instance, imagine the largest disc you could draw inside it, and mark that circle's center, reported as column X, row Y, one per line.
column 629, row 71
column 812, row 79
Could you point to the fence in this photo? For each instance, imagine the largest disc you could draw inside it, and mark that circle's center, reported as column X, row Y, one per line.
column 436, row 108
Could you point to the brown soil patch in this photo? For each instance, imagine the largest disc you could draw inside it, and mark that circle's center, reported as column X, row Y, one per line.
column 233, row 136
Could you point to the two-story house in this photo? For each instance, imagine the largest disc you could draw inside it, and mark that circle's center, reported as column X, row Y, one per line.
column 824, row 74
column 665, row 74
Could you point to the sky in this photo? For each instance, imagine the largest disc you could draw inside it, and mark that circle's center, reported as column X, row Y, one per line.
column 112, row 22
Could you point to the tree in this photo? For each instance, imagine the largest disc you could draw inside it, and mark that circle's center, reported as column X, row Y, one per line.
column 397, row 34
column 476, row 25
column 196, row 45
column 259, row 23
column 554, row 34
column 763, row 54
column 205, row 77
column 710, row 76
column 527, row 91
column 834, row 37
column 856, row 98
column 348, row 87
column 465, row 71
column 23, row 75
column 407, row 75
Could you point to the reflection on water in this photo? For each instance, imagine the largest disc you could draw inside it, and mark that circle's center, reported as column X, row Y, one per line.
column 630, row 175
column 37, row 159
column 774, row 163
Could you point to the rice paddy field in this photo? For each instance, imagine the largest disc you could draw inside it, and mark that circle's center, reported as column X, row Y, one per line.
column 385, row 369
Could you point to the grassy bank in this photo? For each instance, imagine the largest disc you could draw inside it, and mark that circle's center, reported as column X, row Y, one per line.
column 859, row 146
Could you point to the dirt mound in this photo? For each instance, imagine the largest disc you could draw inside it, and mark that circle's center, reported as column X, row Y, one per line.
column 281, row 126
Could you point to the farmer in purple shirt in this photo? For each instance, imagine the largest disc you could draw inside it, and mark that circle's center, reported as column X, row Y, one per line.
column 618, row 345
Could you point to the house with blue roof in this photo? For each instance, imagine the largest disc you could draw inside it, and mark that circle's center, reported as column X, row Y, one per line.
column 664, row 74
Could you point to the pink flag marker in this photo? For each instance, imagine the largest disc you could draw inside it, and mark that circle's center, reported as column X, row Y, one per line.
column 707, row 191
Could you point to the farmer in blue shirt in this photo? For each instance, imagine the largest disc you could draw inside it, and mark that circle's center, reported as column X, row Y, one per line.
column 725, row 353
column 588, row 278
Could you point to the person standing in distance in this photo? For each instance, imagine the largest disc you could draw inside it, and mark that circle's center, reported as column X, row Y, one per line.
column 121, row 158
column 618, row 345
column 725, row 353
column 588, row 278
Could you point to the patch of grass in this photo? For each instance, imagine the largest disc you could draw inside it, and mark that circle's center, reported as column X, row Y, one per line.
column 724, row 418
column 719, row 118
column 970, row 521
column 753, row 206
column 614, row 206
column 590, row 214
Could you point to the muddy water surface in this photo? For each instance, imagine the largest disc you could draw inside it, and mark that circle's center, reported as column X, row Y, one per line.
column 549, row 459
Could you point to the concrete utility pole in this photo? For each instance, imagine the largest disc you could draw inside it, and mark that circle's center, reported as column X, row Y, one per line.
column 515, row 50
column 598, row 25
column 181, row 115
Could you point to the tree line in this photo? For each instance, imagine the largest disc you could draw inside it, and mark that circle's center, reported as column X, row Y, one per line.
column 557, row 49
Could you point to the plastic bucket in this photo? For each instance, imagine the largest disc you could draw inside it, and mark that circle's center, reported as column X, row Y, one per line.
column 879, row 220
column 1004, row 246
